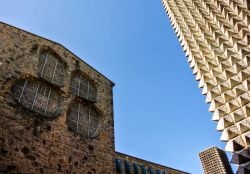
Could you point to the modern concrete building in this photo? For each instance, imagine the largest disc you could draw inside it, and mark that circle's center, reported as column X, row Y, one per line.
column 56, row 111
column 215, row 35
column 215, row 161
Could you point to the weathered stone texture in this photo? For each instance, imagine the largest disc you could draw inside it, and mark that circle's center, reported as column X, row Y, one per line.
column 31, row 143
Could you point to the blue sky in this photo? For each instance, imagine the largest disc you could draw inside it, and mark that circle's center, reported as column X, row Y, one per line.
column 160, row 114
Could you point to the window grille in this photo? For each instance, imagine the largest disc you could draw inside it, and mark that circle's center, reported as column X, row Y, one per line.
column 83, row 119
column 82, row 87
column 51, row 68
column 36, row 96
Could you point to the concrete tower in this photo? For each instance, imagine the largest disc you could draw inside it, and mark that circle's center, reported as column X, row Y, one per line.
column 215, row 34
column 215, row 161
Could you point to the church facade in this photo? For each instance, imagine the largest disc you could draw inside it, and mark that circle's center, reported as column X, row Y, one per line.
column 56, row 112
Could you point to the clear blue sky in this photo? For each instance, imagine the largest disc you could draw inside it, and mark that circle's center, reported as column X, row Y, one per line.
column 160, row 114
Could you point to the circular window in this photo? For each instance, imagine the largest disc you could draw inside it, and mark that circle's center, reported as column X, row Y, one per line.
column 51, row 68
column 82, row 87
column 83, row 119
column 36, row 96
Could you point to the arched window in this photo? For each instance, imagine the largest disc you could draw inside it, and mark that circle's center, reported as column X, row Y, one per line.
column 83, row 119
column 51, row 68
column 36, row 96
column 82, row 87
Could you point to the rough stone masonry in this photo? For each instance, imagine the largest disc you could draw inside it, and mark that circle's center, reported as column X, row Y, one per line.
column 40, row 127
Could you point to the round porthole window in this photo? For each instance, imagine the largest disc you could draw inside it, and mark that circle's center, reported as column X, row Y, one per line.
column 36, row 96
column 83, row 119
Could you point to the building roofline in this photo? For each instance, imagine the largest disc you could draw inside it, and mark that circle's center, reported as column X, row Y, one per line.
column 208, row 148
column 150, row 162
column 113, row 84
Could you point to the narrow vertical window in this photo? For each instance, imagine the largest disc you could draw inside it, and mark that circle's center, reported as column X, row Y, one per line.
column 151, row 171
column 118, row 165
column 136, row 168
column 82, row 87
column 83, row 119
column 36, row 96
column 51, row 68
column 144, row 170
column 127, row 167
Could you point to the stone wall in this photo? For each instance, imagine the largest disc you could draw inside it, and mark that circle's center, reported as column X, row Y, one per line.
column 33, row 143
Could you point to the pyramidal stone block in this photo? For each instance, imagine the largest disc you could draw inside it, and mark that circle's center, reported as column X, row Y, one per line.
column 216, row 38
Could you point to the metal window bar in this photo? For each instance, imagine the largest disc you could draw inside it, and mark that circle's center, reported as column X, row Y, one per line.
column 23, row 88
column 78, row 120
column 79, row 80
column 54, row 71
column 45, row 62
column 45, row 112
column 35, row 96
column 96, row 130
column 88, row 122
column 58, row 100
column 88, row 91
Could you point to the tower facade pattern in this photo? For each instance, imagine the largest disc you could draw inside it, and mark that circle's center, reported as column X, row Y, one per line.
column 215, row 161
column 215, row 35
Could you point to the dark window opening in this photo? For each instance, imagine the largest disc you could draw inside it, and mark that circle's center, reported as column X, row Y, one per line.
column 136, row 168
column 118, row 165
column 144, row 170
column 151, row 171
column 127, row 167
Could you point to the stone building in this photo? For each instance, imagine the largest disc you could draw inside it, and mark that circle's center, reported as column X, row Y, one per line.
column 215, row 161
column 215, row 35
column 56, row 111
column 126, row 164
